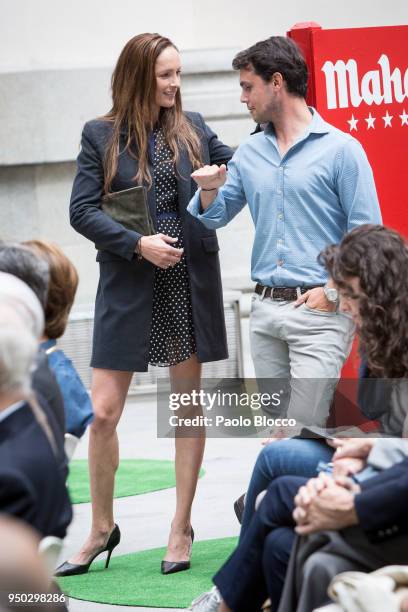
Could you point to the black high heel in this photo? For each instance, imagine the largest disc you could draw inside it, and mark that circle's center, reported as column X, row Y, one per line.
column 171, row 567
column 72, row 569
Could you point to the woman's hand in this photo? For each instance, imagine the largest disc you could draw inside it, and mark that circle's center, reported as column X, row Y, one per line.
column 158, row 251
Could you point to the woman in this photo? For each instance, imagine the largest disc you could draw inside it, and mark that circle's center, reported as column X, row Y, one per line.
column 159, row 297
column 62, row 288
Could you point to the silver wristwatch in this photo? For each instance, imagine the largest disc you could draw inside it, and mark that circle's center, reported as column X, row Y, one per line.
column 332, row 295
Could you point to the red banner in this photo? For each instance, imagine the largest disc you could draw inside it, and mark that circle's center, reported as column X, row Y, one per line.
column 359, row 83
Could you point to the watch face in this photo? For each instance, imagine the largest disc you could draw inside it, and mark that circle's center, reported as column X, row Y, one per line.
column 331, row 294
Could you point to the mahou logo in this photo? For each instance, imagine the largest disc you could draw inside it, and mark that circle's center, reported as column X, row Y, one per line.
column 381, row 86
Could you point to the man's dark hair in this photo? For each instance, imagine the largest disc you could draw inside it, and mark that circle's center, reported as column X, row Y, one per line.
column 276, row 54
column 20, row 261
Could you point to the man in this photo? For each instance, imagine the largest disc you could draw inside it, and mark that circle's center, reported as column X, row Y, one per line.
column 306, row 183
column 357, row 527
column 363, row 520
column 19, row 261
column 360, row 524
column 32, row 484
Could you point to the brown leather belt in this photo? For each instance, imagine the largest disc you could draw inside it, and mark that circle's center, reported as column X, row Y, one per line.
column 282, row 294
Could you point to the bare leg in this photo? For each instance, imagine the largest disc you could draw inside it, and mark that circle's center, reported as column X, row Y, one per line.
column 109, row 391
column 189, row 455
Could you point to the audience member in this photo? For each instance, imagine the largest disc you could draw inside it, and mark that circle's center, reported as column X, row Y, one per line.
column 23, row 302
column 20, row 261
column 381, row 331
column 369, row 268
column 32, row 486
column 21, row 569
column 62, row 288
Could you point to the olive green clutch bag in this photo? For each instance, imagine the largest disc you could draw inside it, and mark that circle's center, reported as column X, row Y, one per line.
column 129, row 207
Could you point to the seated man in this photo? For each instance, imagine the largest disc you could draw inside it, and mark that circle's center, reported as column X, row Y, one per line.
column 363, row 521
column 32, row 486
column 378, row 508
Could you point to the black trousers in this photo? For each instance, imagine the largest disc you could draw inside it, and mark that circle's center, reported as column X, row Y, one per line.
column 256, row 569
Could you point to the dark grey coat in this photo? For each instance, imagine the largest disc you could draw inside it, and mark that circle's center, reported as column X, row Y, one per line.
column 123, row 308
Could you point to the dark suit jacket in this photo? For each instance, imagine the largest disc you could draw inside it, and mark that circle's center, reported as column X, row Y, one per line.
column 124, row 300
column 48, row 394
column 32, row 487
column 382, row 505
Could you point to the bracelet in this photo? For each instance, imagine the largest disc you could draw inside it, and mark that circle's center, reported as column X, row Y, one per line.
column 213, row 189
column 138, row 249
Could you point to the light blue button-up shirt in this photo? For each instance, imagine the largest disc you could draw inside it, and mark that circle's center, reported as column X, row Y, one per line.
column 300, row 203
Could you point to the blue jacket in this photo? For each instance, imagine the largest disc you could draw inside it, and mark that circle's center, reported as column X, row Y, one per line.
column 77, row 404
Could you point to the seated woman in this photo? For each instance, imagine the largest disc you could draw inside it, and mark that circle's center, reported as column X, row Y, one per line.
column 369, row 269
column 63, row 283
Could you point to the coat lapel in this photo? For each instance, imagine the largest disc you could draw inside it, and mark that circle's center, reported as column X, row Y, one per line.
column 151, row 197
column 151, row 193
column 183, row 171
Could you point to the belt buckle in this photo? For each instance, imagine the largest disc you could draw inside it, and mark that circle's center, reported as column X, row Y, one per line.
column 263, row 292
column 277, row 299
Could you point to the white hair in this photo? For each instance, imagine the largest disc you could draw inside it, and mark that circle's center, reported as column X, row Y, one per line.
column 15, row 295
column 18, row 350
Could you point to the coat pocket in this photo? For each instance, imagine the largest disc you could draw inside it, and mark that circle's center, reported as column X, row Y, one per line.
column 210, row 244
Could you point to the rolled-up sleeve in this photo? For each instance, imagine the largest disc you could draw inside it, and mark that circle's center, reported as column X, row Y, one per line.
column 356, row 186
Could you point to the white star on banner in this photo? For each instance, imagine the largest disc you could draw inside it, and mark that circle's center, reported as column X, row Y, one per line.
column 387, row 119
column 404, row 118
column 352, row 123
column 370, row 121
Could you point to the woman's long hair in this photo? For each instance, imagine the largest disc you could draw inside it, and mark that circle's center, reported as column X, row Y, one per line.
column 133, row 96
column 378, row 257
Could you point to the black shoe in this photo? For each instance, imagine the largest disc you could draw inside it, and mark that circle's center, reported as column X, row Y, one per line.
column 171, row 567
column 239, row 506
column 71, row 569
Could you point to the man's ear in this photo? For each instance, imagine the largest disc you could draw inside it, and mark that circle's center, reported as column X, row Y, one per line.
column 277, row 80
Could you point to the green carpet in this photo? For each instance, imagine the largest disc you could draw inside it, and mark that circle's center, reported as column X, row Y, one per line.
column 134, row 477
column 135, row 579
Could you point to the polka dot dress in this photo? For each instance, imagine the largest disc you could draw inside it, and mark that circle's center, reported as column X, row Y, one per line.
column 172, row 333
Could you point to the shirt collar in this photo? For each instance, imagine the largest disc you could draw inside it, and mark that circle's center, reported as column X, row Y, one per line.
column 8, row 411
column 47, row 344
column 316, row 126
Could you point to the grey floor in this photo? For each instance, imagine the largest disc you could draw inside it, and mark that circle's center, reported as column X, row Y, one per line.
column 144, row 519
